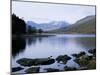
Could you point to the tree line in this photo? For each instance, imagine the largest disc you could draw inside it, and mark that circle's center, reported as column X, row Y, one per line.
column 20, row 27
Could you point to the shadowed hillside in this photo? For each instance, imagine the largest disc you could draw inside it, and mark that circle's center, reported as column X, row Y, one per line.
column 86, row 25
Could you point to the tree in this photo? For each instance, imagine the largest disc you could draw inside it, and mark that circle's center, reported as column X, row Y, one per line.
column 34, row 30
column 40, row 31
column 31, row 30
column 18, row 25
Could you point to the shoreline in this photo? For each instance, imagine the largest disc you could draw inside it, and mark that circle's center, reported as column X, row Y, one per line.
column 86, row 62
column 48, row 34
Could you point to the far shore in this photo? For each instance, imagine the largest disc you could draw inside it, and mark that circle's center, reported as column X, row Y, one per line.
column 47, row 34
column 34, row 35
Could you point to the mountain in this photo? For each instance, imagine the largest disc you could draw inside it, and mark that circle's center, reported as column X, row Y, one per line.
column 48, row 26
column 85, row 25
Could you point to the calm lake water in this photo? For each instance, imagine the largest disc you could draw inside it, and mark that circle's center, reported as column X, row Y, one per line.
column 43, row 47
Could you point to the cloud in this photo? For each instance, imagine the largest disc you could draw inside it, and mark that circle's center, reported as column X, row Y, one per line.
column 43, row 12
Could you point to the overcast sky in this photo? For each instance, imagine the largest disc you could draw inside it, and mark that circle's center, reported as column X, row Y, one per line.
column 42, row 12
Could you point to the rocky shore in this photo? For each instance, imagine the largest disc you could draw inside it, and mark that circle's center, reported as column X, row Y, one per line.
column 85, row 61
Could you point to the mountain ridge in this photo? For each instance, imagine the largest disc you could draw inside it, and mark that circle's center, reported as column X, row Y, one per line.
column 48, row 26
column 85, row 25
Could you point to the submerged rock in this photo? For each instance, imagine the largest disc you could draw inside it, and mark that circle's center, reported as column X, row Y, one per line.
column 63, row 58
column 66, row 68
column 14, row 69
column 33, row 70
column 51, row 70
column 39, row 61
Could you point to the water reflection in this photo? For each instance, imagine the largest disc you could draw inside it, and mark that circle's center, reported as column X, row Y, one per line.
column 50, row 46
column 43, row 47
column 18, row 46
column 31, row 40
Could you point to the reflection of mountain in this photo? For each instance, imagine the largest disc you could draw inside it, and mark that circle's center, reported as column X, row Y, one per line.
column 18, row 45
column 48, row 26
column 85, row 25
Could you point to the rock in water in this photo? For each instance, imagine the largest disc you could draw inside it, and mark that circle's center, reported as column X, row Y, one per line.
column 33, row 70
column 35, row 62
column 92, row 51
column 79, row 54
column 14, row 69
column 82, row 61
column 88, row 62
column 92, row 64
column 82, row 68
column 66, row 68
column 44, row 61
column 63, row 58
column 75, row 55
column 26, row 62
column 52, row 70
column 82, row 53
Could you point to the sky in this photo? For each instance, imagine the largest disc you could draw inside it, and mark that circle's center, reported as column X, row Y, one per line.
column 44, row 12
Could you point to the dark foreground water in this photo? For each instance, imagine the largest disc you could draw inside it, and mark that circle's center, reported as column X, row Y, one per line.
column 43, row 47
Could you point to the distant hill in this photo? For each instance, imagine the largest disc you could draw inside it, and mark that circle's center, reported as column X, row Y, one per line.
column 85, row 25
column 48, row 26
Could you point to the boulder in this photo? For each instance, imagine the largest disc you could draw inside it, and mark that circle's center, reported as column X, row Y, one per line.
column 33, row 70
column 82, row 61
column 35, row 62
column 92, row 51
column 86, row 62
column 26, row 62
column 82, row 68
column 75, row 55
column 78, row 55
column 92, row 64
column 14, row 69
column 51, row 70
column 44, row 61
column 66, row 68
column 81, row 53
column 88, row 57
column 63, row 58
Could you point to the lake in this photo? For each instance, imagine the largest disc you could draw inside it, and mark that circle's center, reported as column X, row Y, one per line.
column 46, row 46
